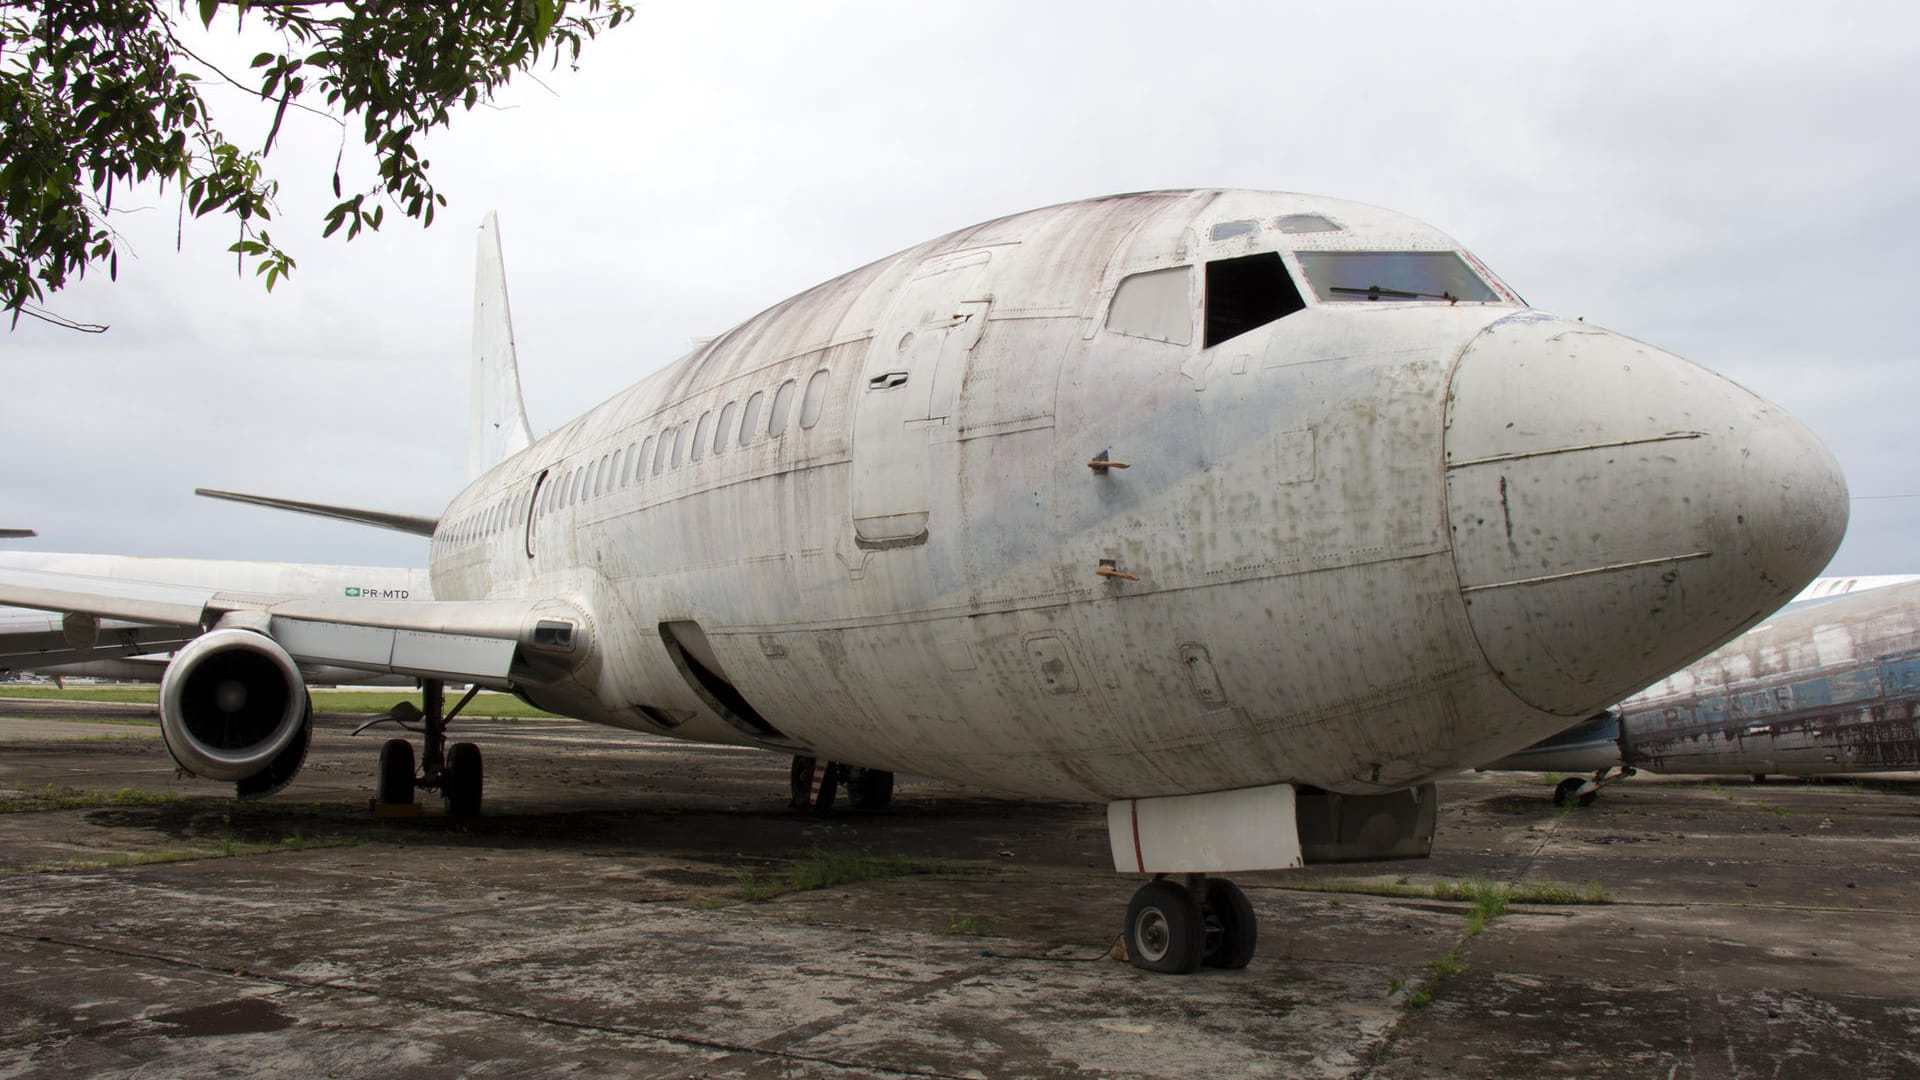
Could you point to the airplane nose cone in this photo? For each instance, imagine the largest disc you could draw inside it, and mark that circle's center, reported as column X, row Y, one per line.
column 1616, row 511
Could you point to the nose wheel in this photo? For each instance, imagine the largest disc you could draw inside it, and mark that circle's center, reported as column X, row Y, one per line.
column 1174, row 927
column 1573, row 791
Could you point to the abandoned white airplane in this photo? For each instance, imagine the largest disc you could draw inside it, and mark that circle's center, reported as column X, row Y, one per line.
column 1243, row 513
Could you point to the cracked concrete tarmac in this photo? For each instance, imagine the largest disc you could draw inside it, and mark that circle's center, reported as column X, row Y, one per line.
column 592, row 924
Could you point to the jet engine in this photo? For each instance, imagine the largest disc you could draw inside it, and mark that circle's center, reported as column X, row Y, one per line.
column 234, row 707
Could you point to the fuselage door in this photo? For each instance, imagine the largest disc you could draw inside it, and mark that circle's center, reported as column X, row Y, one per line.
column 909, row 396
column 533, row 508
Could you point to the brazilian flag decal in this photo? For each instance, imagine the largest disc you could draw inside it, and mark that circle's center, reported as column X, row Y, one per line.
column 353, row 590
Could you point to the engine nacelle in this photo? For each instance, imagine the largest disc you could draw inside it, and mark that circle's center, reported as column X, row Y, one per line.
column 232, row 703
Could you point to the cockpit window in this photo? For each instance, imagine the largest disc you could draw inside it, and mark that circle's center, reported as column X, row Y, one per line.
column 1227, row 230
column 1246, row 293
column 1403, row 276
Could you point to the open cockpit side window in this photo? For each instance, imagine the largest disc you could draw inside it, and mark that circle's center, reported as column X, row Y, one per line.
column 1247, row 293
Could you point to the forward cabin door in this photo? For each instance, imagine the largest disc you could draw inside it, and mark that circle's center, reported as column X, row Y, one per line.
column 909, row 397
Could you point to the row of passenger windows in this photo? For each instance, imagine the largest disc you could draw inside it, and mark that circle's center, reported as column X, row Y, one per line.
column 733, row 426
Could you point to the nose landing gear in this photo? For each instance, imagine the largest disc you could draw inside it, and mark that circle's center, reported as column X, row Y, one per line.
column 1574, row 791
column 1174, row 928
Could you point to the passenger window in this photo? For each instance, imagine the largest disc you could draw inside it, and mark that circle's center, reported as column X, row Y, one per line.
column 679, row 444
column 750, row 416
column 816, row 398
column 591, row 486
column 1247, row 293
column 725, row 425
column 782, row 401
column 616, row 478
column 660, row 454
column 573, row 486
column 646, row 451
column 699, row 437
column 1157, row 305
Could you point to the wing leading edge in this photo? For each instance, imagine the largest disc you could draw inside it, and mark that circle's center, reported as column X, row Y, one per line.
column 495, row 643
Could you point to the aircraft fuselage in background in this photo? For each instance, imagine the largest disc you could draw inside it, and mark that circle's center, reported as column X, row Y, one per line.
column 1827, row 687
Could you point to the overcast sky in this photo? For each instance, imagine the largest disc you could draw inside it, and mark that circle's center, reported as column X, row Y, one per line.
column 1735, row 182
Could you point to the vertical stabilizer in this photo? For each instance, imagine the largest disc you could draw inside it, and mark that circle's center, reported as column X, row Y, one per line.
column 497, row 428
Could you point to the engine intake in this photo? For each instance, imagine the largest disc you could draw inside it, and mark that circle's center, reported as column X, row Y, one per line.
column 231, row 703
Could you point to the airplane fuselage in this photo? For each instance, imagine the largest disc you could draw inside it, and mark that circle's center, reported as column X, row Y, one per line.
column 1151, row 495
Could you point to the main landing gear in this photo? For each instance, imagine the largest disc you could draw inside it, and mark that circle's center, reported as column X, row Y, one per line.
column 1574, row 791
column 1174, row 928
column 816, row 784
column 455, row 771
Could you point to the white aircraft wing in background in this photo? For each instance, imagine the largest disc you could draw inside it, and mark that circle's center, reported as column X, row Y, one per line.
column 475, row 641
column 34, row 640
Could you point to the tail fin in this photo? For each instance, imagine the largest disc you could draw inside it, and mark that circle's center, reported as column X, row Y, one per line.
column 497, row 426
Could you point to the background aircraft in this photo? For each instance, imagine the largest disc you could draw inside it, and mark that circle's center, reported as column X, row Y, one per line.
column 1244, row 513
column 1829, row 684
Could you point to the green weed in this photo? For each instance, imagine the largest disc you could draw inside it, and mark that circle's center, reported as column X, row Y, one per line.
column 1485, row 894
column 226, row 848
column 54, row 797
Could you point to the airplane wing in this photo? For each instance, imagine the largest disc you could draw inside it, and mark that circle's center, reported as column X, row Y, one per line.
column 494, row 643
column 32, row 640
